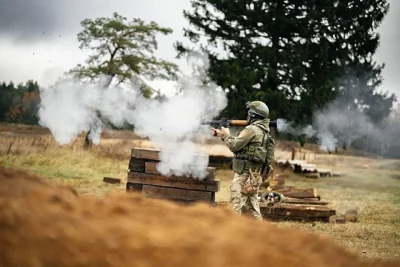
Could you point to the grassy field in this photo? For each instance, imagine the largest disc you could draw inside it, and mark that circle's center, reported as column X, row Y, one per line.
column 371, row 186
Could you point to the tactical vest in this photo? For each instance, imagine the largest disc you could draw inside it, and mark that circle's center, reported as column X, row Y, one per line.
column 257, row 155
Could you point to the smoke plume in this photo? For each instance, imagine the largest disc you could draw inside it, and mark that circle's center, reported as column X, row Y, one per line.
column 337, row 126
column 173, row 124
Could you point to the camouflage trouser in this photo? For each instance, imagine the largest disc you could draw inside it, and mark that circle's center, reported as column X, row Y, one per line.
column 240, row 200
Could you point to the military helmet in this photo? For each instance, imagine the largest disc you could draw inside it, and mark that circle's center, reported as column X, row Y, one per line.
column 258, row 107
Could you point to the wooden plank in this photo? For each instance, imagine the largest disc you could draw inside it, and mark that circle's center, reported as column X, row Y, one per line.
column 137, row 165
column 304, row 201
column 154, row 154
column 296, row 210
column 174, row 181
column 176, row 193
column 133, row 187
column 277, row 218
column 145, row 153
column 110, row 180
column 325, row 172
column 299, row 193
column 151, row 167
column 312, row 175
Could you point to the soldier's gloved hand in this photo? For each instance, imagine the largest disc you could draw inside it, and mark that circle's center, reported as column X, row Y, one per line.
column 220, row 133
column 225, row 131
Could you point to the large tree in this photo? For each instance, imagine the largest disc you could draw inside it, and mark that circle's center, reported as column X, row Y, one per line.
column 123, row 51
column 291, row 54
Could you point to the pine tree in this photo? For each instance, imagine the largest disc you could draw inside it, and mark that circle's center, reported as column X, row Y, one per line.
column 293, row 55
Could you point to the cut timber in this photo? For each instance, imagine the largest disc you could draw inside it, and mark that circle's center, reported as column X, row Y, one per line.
column 110, row 180
column 299, row 193
column 325, row 172
column 137, row 165
column 145, row 153
column 177, row 194
column 311, row 201
column 312, row 175
column 304, row 201
column 296, row 210
column 173, row 181
column 304, row 167
column 278, row 218
column 151, row 167
column 340, row 220
column 351, row 216
column 302, row 154
column 154, row 154
column 134, row 187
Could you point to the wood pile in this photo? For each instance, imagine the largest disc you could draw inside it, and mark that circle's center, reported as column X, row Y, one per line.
column 144, row 177
column 302, row 154
column 298, row 204
column 308, row 169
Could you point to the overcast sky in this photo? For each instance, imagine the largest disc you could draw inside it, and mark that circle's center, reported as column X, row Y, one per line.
column 38, row 37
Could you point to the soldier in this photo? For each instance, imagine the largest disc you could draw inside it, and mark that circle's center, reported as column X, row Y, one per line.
column 252, row 163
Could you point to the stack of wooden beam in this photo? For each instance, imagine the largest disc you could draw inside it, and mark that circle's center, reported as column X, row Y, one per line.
column 308, row 169
column 299, row 204
column 144, row 177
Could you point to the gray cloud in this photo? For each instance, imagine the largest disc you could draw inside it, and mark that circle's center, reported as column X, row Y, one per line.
column 28, row 19
column 388, row 51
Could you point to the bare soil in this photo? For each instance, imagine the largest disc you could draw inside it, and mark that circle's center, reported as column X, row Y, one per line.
column 46, row 224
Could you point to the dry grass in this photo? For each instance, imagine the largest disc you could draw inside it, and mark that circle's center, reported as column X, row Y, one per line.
column 371, row 186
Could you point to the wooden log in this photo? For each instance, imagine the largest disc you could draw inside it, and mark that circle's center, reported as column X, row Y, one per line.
column 325, row 172
column 110, row 180
column 177, row 194
column 291, row 200
column 296, row 210
column 174, row 181
column 284, row 188
column 134, row 187
column 303, row 201
column 151, row 167
column 304, row 167
column 351, row 216
column 154, row 154
column 312, row 175
column 301, row 193
column 137, row 165
column 278, row 218
column 340, row 220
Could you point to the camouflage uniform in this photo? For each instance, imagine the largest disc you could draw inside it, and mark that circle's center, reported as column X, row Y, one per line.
column 247, row 178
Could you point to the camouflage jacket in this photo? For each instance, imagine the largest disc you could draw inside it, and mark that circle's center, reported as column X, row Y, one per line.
column 248, row 140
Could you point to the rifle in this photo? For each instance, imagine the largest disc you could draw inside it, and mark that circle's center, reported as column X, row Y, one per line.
column 232, row 123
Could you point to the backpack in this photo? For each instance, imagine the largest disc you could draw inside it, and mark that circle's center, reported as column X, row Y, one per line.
column 269, row 144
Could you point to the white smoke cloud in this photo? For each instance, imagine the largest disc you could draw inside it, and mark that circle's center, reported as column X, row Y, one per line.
column 336, row 126
column 173, row 124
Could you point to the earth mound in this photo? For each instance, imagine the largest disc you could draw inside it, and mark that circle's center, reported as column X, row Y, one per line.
column 47, row 224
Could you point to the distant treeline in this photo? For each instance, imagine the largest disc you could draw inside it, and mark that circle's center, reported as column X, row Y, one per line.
column 19, row 103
